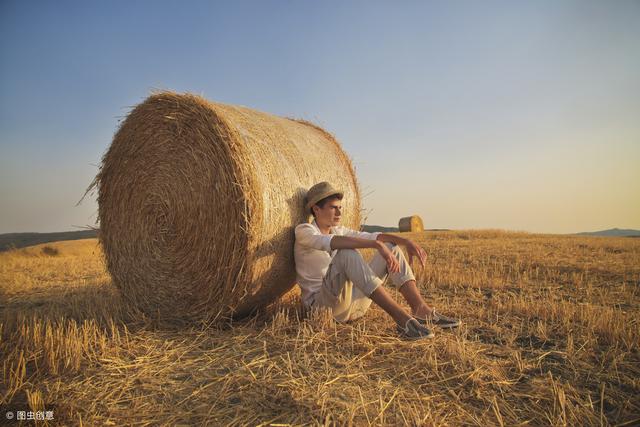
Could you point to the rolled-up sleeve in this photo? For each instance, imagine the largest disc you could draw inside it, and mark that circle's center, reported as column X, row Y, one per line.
column 307, row 235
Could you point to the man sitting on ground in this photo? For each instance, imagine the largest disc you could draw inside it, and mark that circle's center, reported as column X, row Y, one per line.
column 331, row 273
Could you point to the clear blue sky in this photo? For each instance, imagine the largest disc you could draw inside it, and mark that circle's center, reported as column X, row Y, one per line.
column 493, row 114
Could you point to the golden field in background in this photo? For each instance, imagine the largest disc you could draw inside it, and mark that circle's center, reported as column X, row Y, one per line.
column 550, row 337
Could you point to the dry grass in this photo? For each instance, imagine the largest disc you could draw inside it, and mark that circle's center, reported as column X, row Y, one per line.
column 550, row 338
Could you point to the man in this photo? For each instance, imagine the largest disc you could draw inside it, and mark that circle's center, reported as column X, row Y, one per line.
column 331, row 273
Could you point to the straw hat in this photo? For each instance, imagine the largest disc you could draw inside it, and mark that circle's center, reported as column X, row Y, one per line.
column 319, row 192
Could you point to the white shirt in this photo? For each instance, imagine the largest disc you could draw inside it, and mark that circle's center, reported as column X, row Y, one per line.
column 313, row 254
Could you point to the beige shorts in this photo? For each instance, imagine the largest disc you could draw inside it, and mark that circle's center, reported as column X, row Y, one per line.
column 349, row 282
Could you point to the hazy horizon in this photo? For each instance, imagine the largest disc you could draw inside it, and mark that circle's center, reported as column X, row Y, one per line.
column 517, row 116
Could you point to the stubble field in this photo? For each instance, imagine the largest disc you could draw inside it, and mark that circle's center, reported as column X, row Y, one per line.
column 550, row 337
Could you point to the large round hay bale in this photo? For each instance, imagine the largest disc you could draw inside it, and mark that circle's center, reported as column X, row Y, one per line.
column 198, row 202
column 411, row 223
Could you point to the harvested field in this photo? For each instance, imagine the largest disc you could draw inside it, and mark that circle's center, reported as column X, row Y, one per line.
column 550, row 337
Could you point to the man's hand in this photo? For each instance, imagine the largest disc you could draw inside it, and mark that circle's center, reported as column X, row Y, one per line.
column 393, row 266
column 416, row 251
column 412, row 249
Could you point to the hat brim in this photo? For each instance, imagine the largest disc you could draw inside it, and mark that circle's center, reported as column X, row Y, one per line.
column 321, row 196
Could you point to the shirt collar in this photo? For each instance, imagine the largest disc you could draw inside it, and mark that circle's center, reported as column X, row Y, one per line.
column 315, row 224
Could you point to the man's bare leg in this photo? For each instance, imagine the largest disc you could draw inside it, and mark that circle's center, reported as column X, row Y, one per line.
column 381, row 297
column 419, row 307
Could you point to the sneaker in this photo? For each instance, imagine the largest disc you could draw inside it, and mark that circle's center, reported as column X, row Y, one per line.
column 439, row 320
column 414, row 330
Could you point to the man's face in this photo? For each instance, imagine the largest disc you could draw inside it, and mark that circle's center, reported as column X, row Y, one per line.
column 330, row 213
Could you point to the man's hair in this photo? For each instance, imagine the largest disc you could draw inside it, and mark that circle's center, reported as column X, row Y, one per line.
column 322, row 202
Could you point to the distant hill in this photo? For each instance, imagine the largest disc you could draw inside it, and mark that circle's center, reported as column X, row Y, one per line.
column 21, row 240
column 613, row 232
column 381, row 229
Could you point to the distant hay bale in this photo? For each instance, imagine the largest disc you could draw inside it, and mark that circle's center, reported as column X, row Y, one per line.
column 411, row 223
column 198, row 202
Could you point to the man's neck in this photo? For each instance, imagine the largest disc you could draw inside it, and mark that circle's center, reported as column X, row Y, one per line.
column 324, row 229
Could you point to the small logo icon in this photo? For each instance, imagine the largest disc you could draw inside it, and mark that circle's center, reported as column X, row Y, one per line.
column 9, row 415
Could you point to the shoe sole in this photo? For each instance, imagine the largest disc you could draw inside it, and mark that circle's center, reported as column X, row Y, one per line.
column 425, row 323
column 431, row 335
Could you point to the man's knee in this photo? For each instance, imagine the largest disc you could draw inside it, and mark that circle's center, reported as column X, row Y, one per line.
column 347, row 256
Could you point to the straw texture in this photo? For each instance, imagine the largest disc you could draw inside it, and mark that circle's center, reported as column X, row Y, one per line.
column 411, row 223
column 198, row 202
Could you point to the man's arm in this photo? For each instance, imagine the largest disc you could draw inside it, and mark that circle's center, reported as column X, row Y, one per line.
column 384, row 237
column 346, row 242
